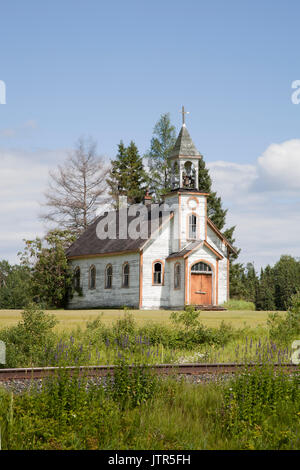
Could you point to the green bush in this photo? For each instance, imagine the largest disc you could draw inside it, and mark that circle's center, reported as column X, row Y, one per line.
column 189, row 318
column 131, row 386
column 285, row 328
column 14, row 286
column 27, row 342
column 259, row 406
column 63, row 415
column 235, row 304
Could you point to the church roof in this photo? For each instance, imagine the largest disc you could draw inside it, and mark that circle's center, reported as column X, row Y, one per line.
column 184, row 146
column 89, row 244
column 191, row 246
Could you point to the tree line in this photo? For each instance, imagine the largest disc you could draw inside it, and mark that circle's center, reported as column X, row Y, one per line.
column 270, row 289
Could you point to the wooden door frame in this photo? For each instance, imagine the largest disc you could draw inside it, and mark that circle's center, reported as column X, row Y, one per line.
column 213, row 296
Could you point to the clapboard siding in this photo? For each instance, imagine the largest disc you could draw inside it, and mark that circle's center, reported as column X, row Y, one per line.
column 223, row 280
column 176, row 296
column 155, row 296
column 116, row 296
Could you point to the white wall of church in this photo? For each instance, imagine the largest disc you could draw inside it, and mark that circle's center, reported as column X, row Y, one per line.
column 117, row 296
column 218, row 245
column 176, row 296
column 223, row 280
column 188, row 206
column 158, row 296
column 216, row 242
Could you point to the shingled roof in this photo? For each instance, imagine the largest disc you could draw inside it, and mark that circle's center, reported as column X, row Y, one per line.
column 90, row 244
column 184, row 145
column 191, row 246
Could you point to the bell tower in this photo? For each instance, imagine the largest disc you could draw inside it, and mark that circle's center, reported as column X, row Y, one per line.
column 189, row 202
column 184, row 160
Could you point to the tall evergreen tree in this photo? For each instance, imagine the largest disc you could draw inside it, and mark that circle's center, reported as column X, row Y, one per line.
column 286, row 273
column 215, row 211
column 238, row 288
column 265, row 295
column 162, row 142
column 127, row 176
column 251, row 281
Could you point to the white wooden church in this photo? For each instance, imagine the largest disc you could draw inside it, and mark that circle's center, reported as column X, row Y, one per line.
column 184, row 262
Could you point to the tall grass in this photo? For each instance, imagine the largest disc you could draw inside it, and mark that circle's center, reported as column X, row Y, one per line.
column 256, row 410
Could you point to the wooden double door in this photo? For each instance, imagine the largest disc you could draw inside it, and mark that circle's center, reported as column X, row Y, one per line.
column 201, row 289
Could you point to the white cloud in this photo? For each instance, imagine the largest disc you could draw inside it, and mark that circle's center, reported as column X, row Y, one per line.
column 279, row 166
column 233, row 178
column 23, row 179
column 263, row 202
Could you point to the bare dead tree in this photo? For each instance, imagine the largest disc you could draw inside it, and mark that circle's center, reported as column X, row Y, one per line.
column 76, row 189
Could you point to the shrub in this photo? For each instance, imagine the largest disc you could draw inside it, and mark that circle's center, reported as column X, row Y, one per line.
column 64, row 414
column 14, row 286
column 287, row 327
column 26, row 342
column 235, row 304
column 131, row 386
column 258, row 405
column 189, row 318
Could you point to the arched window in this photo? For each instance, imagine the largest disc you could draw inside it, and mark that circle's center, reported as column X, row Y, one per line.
column 125, row 277
column 192, row 226
column 177, row 276
column 92, row 277
column 200, row 268
column 108, row 276
column 77, row 278
column 158, row 273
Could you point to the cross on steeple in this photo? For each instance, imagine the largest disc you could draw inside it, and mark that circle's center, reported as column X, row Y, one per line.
column 183, row 112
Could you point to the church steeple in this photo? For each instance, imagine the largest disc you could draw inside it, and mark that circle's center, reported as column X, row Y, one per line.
column 184, row 160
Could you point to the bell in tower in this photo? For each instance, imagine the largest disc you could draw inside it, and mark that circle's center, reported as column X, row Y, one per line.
column 184, row 160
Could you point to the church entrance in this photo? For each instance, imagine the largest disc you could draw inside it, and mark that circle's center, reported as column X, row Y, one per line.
column 201, row 284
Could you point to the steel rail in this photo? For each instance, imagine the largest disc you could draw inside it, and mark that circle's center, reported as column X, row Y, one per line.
column 164, row 369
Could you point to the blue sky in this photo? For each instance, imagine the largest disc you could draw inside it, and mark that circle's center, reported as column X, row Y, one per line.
column 110, row 69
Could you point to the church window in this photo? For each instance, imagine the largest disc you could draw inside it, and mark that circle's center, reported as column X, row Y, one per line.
column 177, row 276
column 125, row 282
column 200, row 268
column 77, row 278
column 157, row 273
column 192, row 227
column 92, row 277
column 108, row 277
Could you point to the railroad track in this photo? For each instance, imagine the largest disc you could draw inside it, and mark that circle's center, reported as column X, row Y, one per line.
column 36, row 373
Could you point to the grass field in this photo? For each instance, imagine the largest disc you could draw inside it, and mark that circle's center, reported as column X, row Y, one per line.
column 70, row 319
